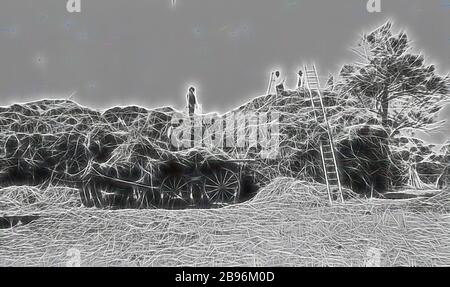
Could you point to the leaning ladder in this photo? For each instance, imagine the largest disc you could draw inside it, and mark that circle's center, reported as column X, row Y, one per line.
column 327, row 149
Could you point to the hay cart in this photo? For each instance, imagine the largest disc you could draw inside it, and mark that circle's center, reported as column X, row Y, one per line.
column 190, row 180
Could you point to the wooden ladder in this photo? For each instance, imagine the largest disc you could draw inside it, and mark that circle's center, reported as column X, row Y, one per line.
column 327, row 149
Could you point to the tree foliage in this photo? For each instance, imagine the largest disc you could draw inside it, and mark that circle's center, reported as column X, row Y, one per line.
column 394, row 83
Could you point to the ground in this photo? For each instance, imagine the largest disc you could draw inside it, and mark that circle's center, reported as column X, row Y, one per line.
column 289, row 223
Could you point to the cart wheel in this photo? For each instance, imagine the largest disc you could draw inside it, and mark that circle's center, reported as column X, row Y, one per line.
column 91, row 195
column 85, row 196
column 443, row 181
column 222, row 186
column 174, row 190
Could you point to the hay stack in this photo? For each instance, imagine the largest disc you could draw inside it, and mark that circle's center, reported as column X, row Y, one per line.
column 59, row 139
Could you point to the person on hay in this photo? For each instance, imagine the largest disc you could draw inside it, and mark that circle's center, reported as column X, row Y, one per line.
column 191, row 102
column 191, row 106
column 300, row 80
column 279, row 83
column 275, row 81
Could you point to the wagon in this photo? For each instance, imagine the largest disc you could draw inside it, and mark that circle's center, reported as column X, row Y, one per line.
column 187, row 180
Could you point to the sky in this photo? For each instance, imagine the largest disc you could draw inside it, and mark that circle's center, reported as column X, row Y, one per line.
column 146, row 52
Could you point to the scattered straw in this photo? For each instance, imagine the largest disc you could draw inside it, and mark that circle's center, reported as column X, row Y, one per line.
column 289, row 223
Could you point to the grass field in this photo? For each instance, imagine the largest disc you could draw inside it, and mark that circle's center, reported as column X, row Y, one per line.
column 289, row 223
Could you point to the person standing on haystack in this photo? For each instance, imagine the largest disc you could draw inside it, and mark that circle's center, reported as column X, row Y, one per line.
column 275, row 81
column 300, row 79
column 191, row 102
column 279, row 83
column 191, row 105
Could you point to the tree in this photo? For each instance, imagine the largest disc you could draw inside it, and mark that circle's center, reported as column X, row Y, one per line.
column 394, row 83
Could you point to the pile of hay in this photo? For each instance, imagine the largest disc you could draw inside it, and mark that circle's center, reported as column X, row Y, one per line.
column 289, row 223
column 58, row 141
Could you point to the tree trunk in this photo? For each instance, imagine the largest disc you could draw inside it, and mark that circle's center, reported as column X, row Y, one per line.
column 386, row 141
column 385, row 108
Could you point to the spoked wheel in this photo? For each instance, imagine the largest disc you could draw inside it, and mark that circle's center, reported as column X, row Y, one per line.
column 175, row 191
column 222, row 186
column 91, row 195
column 443, row 181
